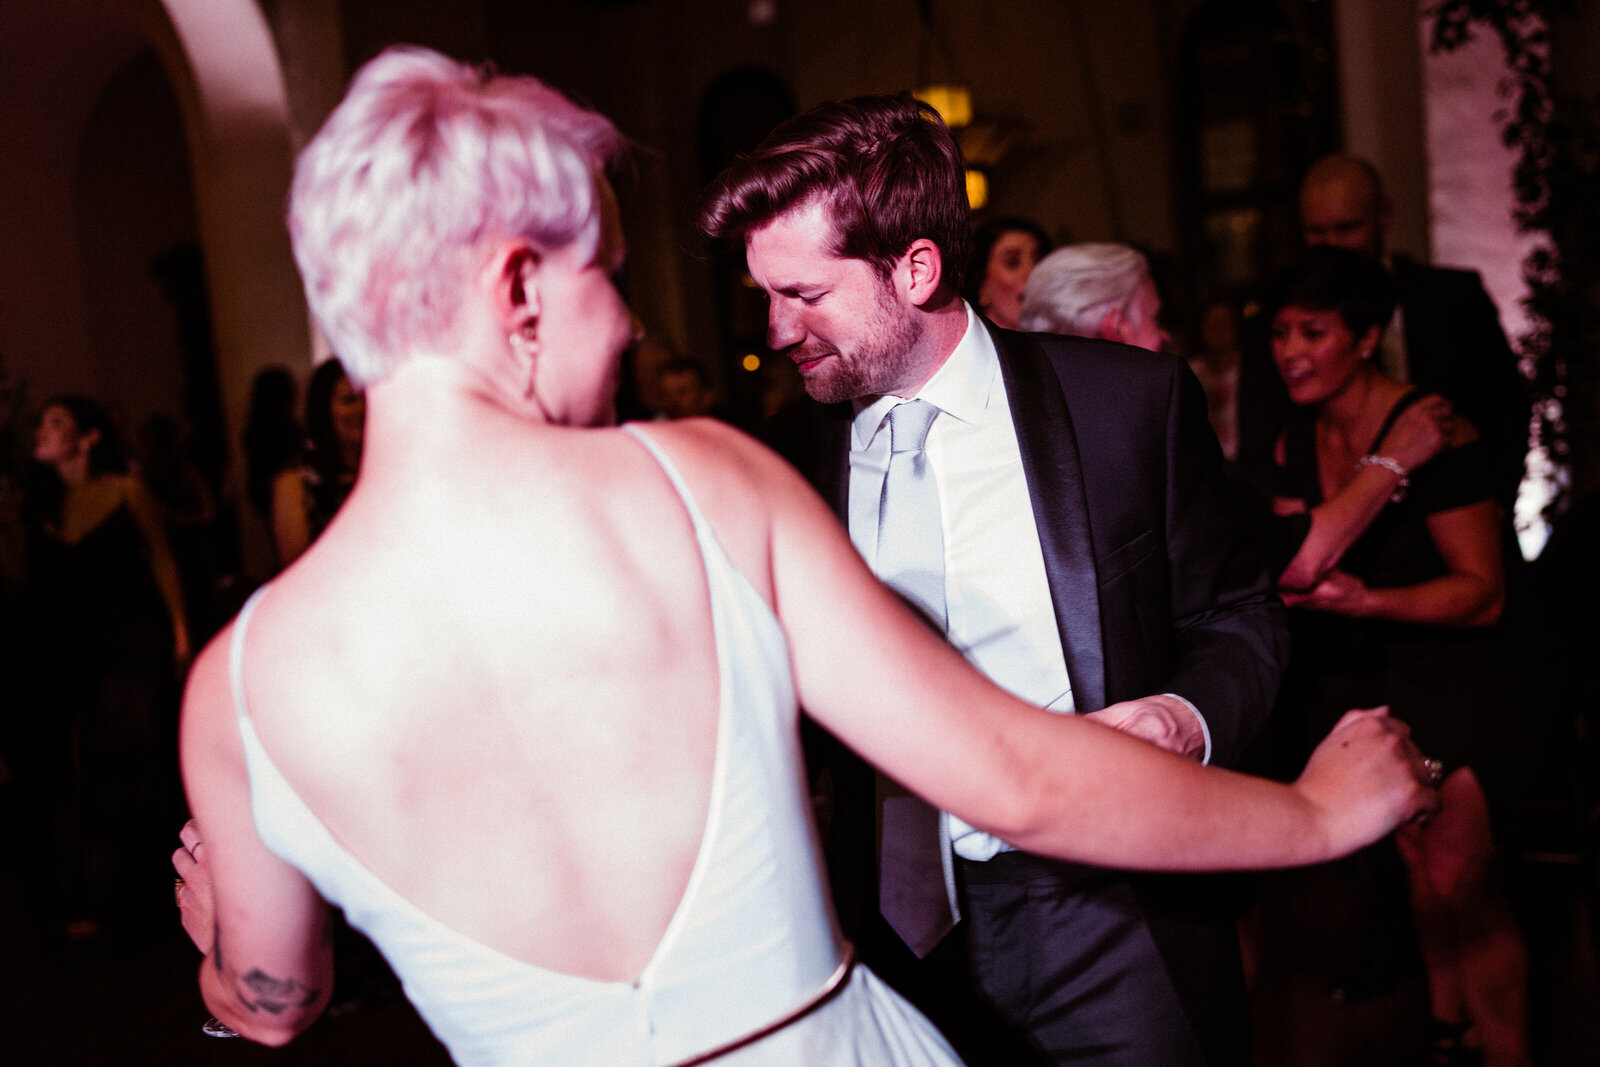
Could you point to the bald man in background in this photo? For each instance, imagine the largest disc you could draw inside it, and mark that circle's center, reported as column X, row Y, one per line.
column 1446, row 336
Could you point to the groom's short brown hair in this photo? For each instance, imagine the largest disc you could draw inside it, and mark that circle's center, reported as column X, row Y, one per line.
column 886, row 167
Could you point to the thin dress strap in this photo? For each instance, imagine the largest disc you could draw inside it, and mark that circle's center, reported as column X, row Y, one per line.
column 702, row 529
column 236, row 652
column 1394, row 413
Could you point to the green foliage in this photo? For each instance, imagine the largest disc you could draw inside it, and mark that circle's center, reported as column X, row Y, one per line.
column 1556, row 138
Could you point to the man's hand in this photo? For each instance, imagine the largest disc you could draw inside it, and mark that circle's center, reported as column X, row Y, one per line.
column 1164, row 721
column 195, row 904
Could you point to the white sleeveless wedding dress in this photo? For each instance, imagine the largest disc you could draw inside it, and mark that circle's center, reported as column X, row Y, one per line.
column 752, row 940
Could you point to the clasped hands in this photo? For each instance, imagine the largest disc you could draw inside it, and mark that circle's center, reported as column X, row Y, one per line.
column 1339, row 593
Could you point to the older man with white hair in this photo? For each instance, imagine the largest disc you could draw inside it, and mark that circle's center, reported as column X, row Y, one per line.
column 1095, row 289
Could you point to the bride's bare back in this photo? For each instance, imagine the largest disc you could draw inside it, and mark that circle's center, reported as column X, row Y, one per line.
column 499, row 693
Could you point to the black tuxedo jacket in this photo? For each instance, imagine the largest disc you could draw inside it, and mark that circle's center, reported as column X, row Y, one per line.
column 1155, row 588
column 1455, row 346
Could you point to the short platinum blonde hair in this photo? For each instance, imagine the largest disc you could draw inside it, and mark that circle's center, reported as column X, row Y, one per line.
column 1072, row 288
column 424, row 161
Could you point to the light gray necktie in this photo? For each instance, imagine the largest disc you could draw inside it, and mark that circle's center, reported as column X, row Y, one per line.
column 916, row 883
column 910, row 534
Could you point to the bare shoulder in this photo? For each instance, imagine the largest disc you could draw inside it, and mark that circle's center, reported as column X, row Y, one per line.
column 755, row 501
column 725, row 459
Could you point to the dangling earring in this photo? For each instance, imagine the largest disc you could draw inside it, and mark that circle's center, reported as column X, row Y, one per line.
column 527, row 333
column 526, row 341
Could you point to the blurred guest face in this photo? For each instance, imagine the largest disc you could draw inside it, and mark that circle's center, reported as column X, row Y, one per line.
column 1218, row 331
column 1343, row 213
column 1317, row 354
column 349, row 412
column 649, row 356
column 1144, row 318
column 1005, row 276
column 843, row 324
column 57, row 439
column 682, row 395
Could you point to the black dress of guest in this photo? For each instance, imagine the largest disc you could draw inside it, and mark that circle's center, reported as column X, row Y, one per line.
column 104, row 704
column 1446, row 683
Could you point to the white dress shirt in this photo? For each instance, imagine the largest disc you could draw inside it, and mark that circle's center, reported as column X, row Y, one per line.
column 998, row 598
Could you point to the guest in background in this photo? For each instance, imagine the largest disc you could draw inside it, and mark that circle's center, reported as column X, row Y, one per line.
column 1004, row 252
column 306, row 496
column 1245, row 401
column 1095, row 289
column 686, row 389
column 189, row 513
column 1216, row 363
column 1445, row 334
column 106, row 626
column 639, row 384
column 273, row 436
column 1404, row 614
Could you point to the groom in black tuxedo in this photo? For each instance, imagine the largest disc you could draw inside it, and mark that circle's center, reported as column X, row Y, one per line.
column 1090, row 565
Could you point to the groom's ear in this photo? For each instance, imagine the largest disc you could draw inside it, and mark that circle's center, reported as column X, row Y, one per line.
column 922, row 267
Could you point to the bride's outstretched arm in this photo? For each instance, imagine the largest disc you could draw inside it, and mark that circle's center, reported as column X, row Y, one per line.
column 1054, row 784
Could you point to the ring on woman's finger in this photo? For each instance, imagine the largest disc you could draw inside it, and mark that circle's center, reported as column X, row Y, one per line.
column 1435, row 771
column 177, row 887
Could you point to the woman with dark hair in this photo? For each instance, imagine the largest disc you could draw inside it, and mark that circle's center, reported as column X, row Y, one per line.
column 306, row 495
column 1004, row 251
column 105, row 609
column 1396, row 568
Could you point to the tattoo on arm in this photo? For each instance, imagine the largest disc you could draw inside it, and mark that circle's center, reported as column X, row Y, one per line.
column 261, row 992
column 275, row 995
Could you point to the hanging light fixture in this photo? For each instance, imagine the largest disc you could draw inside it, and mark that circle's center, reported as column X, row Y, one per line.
column 951, row 100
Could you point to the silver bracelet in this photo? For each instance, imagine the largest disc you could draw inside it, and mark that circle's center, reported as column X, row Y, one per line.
column 1391, row 465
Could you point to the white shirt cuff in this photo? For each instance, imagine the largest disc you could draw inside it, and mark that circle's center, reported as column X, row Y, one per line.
column 1205, row 731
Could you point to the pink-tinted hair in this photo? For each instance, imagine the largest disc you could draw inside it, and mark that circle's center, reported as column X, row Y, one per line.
column 424, row 160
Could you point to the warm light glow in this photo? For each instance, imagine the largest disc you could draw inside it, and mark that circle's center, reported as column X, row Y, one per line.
column 752, row 362
column 977, row 188
column 952, row 102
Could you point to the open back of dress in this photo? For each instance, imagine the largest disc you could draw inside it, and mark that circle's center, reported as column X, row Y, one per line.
column 753, row 938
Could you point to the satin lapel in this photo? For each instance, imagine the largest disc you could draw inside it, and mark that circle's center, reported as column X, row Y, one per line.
column 1051, row 463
